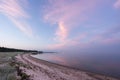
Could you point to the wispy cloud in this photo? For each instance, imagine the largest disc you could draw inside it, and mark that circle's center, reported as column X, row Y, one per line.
column 15, row 11
column 107, row 37
column 117, row 4
column 71, row 43
column 61, row 32
column 67, row 14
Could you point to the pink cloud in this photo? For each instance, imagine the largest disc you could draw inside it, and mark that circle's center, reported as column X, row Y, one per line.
column 103, row 40
column 81, row 43
column 16, row 13
column 117, row 4
column 77, row 41
column 62, row 32
column 23, row 26
column 67, row 15
column 110, row 41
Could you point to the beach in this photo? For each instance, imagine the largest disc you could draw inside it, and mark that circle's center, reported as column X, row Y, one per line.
column 38, row 69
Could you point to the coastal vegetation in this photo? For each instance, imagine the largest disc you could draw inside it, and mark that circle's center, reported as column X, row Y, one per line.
column 4, row 49
column 7, row 72
column 8, row 68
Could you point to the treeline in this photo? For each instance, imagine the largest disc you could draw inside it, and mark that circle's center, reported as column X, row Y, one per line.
column 4, row 49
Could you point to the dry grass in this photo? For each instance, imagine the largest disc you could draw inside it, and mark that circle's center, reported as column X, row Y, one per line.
column 7, row 72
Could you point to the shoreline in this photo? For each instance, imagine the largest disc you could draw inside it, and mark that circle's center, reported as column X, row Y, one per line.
column 76, row 68
column 44, row 70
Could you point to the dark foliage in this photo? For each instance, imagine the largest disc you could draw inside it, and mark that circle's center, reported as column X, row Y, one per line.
column 3, row 49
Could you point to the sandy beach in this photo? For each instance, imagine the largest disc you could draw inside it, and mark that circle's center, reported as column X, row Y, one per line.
column 42, row 70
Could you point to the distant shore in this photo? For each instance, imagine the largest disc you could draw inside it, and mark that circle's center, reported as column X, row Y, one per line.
column 42, row 70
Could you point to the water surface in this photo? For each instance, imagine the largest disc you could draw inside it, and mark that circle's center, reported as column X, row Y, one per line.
column 107, row 64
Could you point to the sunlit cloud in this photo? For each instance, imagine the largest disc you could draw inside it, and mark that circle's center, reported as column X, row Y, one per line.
column 85, row 40
column 117, row 4
column 77, row 41
column 15, row 11
column 61, row 33
column 108, row 36
column 67, row 15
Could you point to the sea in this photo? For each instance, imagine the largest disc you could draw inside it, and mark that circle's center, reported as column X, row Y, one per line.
column 101, row 63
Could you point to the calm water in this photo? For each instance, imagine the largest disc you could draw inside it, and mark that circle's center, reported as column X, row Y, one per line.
column 108, row 64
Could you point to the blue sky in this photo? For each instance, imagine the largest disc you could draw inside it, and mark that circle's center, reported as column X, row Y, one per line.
column 60, row 24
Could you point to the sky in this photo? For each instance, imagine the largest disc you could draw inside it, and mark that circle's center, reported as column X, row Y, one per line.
column 63, row 25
